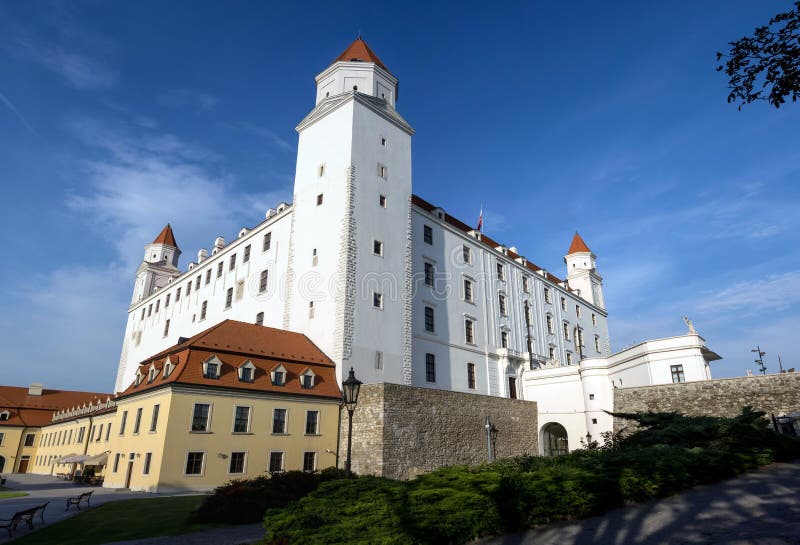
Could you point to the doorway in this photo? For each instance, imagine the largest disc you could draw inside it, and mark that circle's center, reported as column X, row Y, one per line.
column 23, row 464
column 554, row 440
column 512, row 387
column 129, row 474
column 2, row 463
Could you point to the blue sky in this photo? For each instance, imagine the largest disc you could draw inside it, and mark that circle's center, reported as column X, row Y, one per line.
column 608, row 118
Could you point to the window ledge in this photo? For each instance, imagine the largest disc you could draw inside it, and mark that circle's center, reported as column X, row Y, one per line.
column 313, row 435
column 280, row 434
column 241, row 433
column 199, row 432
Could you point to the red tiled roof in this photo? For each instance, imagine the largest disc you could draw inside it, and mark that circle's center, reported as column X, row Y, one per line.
column 578, row 245
column 235, row 342
column 37, row 410
column 360, row 51
column 166, row 237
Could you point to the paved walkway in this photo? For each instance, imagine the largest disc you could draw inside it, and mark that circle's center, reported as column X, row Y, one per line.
column 760, row 508
column 234, row 535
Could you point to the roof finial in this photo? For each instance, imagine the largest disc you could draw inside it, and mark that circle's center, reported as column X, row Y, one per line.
column 359, row 34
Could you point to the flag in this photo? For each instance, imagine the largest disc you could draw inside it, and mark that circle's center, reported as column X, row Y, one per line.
column 480, row 221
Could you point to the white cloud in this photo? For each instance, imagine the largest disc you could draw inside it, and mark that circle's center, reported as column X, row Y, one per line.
column 19, row 115
column 774, row 292
column 79, row 69
column 187, row 98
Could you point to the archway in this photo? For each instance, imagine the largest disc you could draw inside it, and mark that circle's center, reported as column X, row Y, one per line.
column 554, row 439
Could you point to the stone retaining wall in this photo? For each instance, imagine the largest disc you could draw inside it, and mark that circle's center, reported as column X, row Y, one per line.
column 402, row 431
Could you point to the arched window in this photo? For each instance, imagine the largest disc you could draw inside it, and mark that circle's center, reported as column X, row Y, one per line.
column 554, row 440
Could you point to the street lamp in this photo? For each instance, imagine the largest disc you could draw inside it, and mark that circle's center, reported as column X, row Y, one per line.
column 350, row 389
column 491, row 439
column 760, row 361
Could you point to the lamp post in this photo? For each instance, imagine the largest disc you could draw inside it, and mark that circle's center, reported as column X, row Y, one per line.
column 760, row 361
column 491, row 439
column 350, row 388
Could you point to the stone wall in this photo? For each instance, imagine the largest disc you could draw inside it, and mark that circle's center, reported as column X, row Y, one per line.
column 774, row 394
column 402, row 431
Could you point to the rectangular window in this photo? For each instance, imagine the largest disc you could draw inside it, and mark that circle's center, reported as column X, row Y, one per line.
column 312, row 422
column 29, row 439
column 232, row 263
column 108, row 432
column 569, row 358
column 241, row 420
column 504, row 339
column 468, row 290
column 578, row 311
column 194, row 463
column 377, row 247
column 309, row 461
column 549, row 324
column 469, row 331
column 208, row 279
column 146, row 467
column 377, row 300
column 116, row 462
column 427, row 234
column 188, row 288
column 547, row 295
column 275, row 462
column 430, row 368
column 220, row 265
column 203, row 309
column 428, row 274
column 158, row 305
column 149, row 310
column 512, row 387
column 551, row 352
column 525, row 284
column 378, row 360
column 246, row 256
column 267, row 241
column 178, row 294
column 321, row 171
column 501, row 301
column 262, row 281
column 563, row 303
column 121, row 426
column 246, row 374
column 501, row 271
column 471, row 376
column 197, row 282
column 166, row 328
column 229, row 298
column 279, row 421
column 466, row 255
column 382, row 201
column 99, row 434
column 260, row 318
column 677, row 373
column 597, row 343
column 566, row 331
column 138, row 421
column 200, row 417
column 237, row 462
column 594, row 319
column 142, row 316
column 278, row 378
column 382, row 171
column 311, row 309
column 429, row 323
column 319, row 199
column 166, row 300
column 154, row 418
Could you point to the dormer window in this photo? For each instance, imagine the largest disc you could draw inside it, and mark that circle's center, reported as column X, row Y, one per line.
column 151, row 375
column 247, row 371
column 139, row 377
column 168, row 367
column 278, row 376
column 307, row 379
column 212, row 367
column 4, row 415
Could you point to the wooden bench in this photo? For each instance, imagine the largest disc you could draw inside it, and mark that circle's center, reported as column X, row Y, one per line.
column 25, row 516
column 76, row 501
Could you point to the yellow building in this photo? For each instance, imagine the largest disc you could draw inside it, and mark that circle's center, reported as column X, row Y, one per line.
column 235, row 401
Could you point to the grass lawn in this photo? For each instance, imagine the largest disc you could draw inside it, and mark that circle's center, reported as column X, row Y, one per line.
column 121, row 520
column 8, row 493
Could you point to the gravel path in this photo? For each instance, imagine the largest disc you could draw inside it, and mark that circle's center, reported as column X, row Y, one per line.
column 760, row 508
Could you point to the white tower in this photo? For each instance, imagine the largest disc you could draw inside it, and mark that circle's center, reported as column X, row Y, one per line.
column 349, row 271
column 159, row 265
column 582, row 272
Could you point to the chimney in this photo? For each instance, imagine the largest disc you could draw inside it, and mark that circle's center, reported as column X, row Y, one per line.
column 35, row 389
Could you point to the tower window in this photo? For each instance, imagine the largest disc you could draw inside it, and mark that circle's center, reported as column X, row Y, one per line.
column 468, row 290
column 471, row 376
column 428, row 274
column 319, row 199
column 311, row 309
column 314, row 259
column 677, row 373
column 378, row 360
column 469, row 331
column 429, row 323
column 377, row 299
column 383, row 142
column 430, row 368
column 377, row 247
column 382, row 201
column 355, row 87
column 382, row 171
column 427, row 234
column 260, row 318
column 321, row 171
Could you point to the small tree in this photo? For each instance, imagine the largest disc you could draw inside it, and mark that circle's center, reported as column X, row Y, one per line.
column 766, row 65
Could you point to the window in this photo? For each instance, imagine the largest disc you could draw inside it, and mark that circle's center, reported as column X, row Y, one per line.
column 260, row 318
column 677, row 373
column 597, row 343
column 2, row 436
column 469, row 331
column 504, row 339
column 551, row 352
column 512, row 387
column 142, row 316
column 377, row 300
column 246, row 374
column 429, row 323
column 275, row 462
column 154, row 418
column 314, row 258
column 208, row 280
column 194, row 463
column 383, row 142
column 241, row 420
column 563, row 303
column 279, row 421
column 471, row 376
column 466, row 255
column 267, row 241
column 166, row 329
column 430, row 368
column 321, row 171
column 468, row 290
column 149, row 309
column 309, row 461
column 121, row 426
column 278, row 377
column 382, row 171
column 262, row 282
column 203, row 309
column 137, row 423
column 501, row 271
column 188, row 288
column 312, row 422
column 549, row 324
column 197, row 282
column 382, row 201
column 108, row 432
column 594, row 319
column 578, row 311
column 311, row 309
column 569, row 358
column 377, row 247
column 594, row 421
column 246, row 256
column 428, row 274
column 146, row 467
column 427, row 234
column 378, row 360
column 319, row 199
column 527, row 314
column 158, row 305
column 178, row 294
column 29, row 439
column 211, row 369
column 307, row 380
column 116, row 462
column 501, row 302
column 547, row 295
column 591, row 397
column 566, row 331
column 525, row 284
column 229, row 298
column 200, row 417
column 237, row 462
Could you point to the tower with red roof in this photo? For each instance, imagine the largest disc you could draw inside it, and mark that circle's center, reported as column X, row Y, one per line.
column 582, row 272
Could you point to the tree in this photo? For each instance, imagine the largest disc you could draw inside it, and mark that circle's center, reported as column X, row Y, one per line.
column 766, row 65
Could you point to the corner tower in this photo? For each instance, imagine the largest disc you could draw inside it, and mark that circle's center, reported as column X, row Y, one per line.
column 582, row 272
column 160, row 263
column 350, row 255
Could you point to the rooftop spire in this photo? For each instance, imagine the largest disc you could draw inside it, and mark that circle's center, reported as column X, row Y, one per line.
column 578, row 245
column 360, row 51
column 166, row 237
